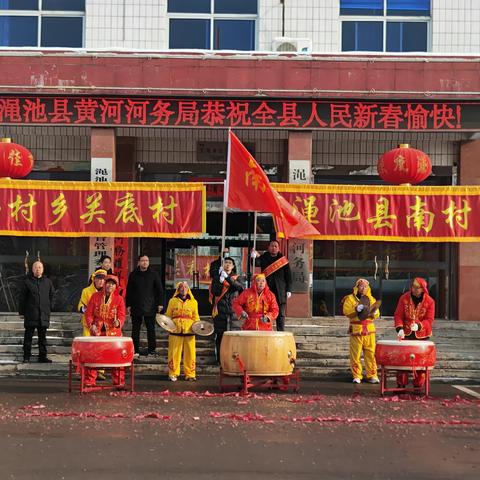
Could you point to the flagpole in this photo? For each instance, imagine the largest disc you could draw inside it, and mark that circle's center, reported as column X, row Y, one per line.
column 225, row 197
column 254, row 240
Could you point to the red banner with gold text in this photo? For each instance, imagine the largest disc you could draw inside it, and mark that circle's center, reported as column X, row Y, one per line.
column 83, row 209
column 395, row 213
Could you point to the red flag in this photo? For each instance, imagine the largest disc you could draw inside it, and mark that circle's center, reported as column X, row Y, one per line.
column 247, row 186
column 291, row 223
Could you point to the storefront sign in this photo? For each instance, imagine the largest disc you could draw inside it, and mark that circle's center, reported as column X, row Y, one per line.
column 83, row 209
column 299, row 171
column 101, row 170
column 394, row 213
column 299, row 265
column 191, row 112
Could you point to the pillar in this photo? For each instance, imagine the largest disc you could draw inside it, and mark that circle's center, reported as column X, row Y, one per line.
column 469, row 253
column 102, row 149
column 300, row 252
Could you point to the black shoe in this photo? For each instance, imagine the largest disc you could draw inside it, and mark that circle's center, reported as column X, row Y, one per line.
column 44, row 360
column 26, row 359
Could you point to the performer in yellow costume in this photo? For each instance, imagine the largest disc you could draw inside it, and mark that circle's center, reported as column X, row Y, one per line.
column 357, row 307
column 96, row 284
column 183, row 310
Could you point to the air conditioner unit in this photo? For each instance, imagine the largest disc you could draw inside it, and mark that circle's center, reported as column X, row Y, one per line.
column 288, row 44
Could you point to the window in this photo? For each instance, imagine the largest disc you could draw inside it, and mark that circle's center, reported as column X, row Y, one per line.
column 212, row 24
column 42, row 23
column 385, row 25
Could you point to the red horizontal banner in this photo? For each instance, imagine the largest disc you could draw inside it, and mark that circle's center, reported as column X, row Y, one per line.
column 83, row 209
column 407, row 214
column 215, row 112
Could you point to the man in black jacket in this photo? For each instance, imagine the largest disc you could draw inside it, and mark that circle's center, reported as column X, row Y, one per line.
column 144, row 300
column 224, row 288
column 34, row 305
column 279, row 277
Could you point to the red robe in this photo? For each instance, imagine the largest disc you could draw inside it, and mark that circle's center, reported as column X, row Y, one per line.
column 103, row 316
column 256, row 305
column 423, row 314
column 405, row 315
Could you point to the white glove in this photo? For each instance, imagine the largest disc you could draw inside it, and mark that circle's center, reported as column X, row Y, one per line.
column 414, row 327
column 254, row 254
column 264, row 319
column 244, row 315
column 83, row 309
column 401, row 334
column 223, row 276
column 220, row 270
column 289, row 294
column 360, row 307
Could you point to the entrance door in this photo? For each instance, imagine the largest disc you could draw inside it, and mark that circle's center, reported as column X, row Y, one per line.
column 388, row 266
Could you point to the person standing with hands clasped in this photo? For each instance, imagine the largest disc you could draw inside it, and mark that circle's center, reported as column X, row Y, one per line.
column 256, row 306
column 34, row 306
column 413, row 319
column 277, row 271
column 224, row 288
column 144, row 300
column 360, row 308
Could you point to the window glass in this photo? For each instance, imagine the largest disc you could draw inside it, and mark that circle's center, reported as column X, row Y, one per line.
column 419, row 8
column 189, row 6
column 18, row 4
column 234, row 35
column 189, row 33
column 407, row 36
column 236, row 6
column 362, row 36
column 361, row 7
column 18, row 31
column 62, row 32
column 64, row 5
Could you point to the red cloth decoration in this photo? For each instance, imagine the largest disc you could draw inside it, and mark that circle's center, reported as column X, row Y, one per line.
column 404, row 165
column 15, row 161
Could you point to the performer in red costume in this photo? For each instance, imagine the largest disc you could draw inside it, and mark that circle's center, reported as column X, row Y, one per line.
column 256, row 305
column 105, row 316
column 413, row 320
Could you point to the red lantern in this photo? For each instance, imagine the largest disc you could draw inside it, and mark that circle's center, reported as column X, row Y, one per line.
column 15, row 161
column 404, row 165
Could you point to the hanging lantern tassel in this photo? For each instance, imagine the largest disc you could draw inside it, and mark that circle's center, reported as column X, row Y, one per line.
column 404, row 165
column 15, row 161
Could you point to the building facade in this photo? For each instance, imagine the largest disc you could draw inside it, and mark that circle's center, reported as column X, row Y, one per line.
column 422, row 55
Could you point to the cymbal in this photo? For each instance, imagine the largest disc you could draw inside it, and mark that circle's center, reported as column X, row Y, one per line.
column 165, row 322
column 204, row 329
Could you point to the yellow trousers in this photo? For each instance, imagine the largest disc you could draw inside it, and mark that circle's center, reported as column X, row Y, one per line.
column 176, row 345
column 365, row 343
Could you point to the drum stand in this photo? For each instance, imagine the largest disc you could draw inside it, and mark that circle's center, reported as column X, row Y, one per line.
column 96, row 366
column 267, row 382
column 391, row 371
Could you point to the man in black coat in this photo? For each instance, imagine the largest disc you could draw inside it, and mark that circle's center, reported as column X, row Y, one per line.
column 144, row 300
column 279, row 277
column 34, row 305
column 224, row 288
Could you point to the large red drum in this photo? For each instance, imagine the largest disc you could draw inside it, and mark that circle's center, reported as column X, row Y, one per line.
column 406, row 354
column 102, row 351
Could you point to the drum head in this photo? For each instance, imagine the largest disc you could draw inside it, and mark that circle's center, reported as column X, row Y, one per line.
column 204, row 329
column 165, row 322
